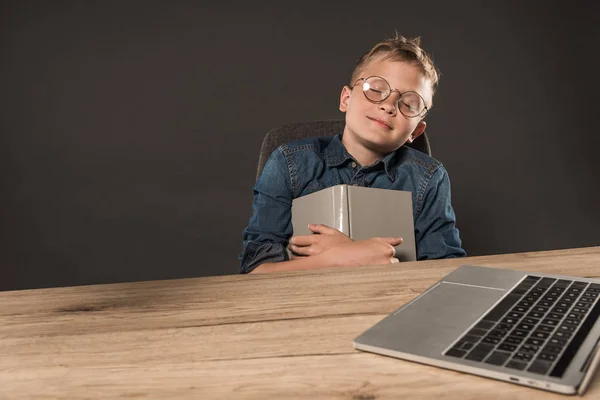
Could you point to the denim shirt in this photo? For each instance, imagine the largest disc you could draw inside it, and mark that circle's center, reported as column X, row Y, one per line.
column 302, row 167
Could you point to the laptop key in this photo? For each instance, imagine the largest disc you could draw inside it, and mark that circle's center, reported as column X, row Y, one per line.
column 477, row 332
column 586, row 300
column 551, row 322
column 540, row 335
column 562, row 335
column 507, row 347
column 579, row 284
column 525, row 327
column 504, row 327
column 497, row 358
column 574, row 315
column 552, row 349
column 467, row 346
column 522, row 356
column 480, row 352
column 566, row 328
column 546, row 282
column 497, row 333
column 510, row 321
column 544, row 328
column 491, row 340
column 571, row 322
column 529, row 348
column 563, row 283
column 540, row 367
column 520, row 290
column 557, row 341
column 456, row 353
column 535, row 315
column 530, row 279
column 471, row 338
column 535, row 342
column 514, row 364
column 547, row 357
column 513, row 340
column 484, row 325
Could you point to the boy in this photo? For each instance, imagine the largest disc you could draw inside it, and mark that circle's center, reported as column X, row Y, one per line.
column 390, row 93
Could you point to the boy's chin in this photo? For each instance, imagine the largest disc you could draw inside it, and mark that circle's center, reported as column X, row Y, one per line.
column 384, row 147
column 385, row 141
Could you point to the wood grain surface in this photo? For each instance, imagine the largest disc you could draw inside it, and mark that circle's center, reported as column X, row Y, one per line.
column 280, row 335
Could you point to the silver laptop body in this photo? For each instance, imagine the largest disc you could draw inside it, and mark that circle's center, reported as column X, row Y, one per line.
column 532, row 329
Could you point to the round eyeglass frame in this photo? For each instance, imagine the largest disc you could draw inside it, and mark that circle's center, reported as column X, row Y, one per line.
column 421, row 114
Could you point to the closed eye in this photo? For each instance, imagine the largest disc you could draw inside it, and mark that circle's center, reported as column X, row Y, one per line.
column 409, row 106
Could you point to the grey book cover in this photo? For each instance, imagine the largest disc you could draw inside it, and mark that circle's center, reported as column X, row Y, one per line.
column 361, row 213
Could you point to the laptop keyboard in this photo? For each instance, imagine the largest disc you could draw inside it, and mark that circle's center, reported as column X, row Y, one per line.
column 538, row 327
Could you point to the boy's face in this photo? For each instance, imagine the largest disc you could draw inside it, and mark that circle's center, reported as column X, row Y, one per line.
column 376, row 129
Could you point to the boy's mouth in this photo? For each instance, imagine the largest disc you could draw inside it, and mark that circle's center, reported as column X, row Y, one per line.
column 380, row 123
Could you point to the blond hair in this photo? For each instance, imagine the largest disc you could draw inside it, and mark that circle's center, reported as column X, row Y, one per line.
column 402, row 49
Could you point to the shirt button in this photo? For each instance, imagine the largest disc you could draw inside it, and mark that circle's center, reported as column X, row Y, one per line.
column 353, row 164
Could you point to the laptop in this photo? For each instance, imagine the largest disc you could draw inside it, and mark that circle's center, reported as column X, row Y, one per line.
column 532, row 329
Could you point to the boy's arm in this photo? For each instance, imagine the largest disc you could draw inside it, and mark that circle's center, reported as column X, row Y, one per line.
column 435, row 227
column 374, row 251
column 269, row 228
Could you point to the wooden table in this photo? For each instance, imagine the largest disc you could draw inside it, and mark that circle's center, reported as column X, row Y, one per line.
column 281, row 335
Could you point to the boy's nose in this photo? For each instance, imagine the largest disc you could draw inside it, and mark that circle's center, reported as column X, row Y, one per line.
column 388, row 107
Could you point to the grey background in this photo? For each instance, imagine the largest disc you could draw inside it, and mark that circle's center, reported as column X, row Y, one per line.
column 130, row 130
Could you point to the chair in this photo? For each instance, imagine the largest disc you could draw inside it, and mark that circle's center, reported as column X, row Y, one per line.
column 302, row 130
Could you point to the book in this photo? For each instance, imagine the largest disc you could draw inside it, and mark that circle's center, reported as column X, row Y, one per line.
column 361, row 213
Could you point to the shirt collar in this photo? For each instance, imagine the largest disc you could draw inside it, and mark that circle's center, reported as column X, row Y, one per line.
column 335, row 154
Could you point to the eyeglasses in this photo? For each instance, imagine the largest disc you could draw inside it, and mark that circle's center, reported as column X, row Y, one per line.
column 377, row 90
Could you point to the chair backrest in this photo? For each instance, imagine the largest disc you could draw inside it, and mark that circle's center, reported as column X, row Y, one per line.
column 302, row 130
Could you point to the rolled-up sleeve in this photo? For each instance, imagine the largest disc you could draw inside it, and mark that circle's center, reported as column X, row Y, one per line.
column 435, row 227
column 266, row 237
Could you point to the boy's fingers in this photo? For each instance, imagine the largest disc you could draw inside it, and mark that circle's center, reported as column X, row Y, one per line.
column 394, row 260
column 322, row 229
column 301, row 251
column 302, row 240
column 392, row 241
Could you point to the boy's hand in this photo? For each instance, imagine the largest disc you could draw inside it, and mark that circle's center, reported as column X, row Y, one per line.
column 374, row 251
column 310, row 245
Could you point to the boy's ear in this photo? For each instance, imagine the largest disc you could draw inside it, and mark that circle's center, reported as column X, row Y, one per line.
column 345, row 98
column 417, row 132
